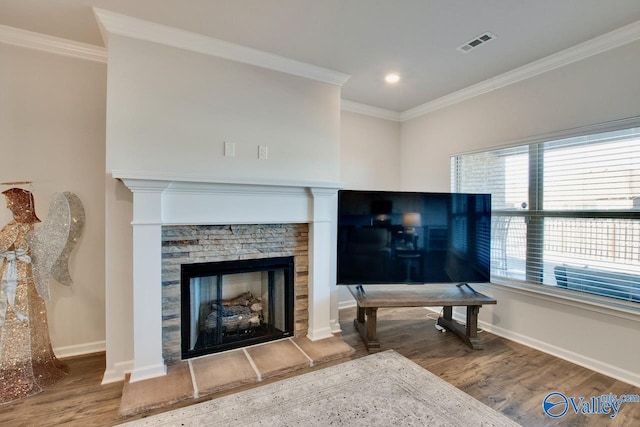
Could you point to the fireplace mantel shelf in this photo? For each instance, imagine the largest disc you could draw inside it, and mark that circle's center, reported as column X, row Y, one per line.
column 171, row 180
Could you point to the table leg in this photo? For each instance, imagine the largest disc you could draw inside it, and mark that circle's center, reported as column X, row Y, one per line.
column 360, row 314
column 366, row 323
column 372, row 322
column 448, row 312
column 469, row 333
column 472, row 320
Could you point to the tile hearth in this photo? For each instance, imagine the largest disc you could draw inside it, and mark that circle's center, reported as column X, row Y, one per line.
column 205, row 376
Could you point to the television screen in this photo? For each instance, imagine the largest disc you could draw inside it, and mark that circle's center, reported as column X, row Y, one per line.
column 406, row 237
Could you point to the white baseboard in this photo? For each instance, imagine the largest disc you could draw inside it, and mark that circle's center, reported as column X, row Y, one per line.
column 346, row 304
column 319, row 334
column 148, row 372
column 80, row 349
column 117, row 372
column 335, row 326
column 562, row 353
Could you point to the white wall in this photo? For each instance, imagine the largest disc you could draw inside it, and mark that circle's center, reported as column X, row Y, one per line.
column 369, row 152
column 52, row 124
column 119, row 279
column 369, row 160
column 598, row 89
column 170, row 110
column 52, row 131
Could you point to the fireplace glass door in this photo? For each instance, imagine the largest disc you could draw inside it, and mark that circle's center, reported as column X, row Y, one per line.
column 233, row 304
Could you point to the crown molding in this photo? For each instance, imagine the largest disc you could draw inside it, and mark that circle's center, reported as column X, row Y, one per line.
column 110, row 22
column 51, row 44
column 600, row 44
column 369, row 110
column 122, row 25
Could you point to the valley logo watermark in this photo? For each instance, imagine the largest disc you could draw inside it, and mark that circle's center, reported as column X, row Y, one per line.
column 557, row 405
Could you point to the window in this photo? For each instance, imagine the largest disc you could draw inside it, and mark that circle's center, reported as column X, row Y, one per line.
column 565, row 212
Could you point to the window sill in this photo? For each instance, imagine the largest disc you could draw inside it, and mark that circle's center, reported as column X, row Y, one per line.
column 603, row 305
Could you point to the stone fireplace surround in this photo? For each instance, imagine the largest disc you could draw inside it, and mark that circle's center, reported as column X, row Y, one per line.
column 163, row 200
column 190, row 244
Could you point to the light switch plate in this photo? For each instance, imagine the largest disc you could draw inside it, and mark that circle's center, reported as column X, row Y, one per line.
column 229, row 149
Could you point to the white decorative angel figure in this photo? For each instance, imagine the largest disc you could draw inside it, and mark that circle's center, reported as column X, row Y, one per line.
column 28, row 257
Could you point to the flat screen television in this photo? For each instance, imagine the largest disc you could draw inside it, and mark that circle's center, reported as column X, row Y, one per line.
column 413, row 238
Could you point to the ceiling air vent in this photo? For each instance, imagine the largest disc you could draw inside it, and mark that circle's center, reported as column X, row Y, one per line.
column 478, row 41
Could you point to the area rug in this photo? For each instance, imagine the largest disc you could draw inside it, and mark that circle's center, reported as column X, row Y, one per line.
column 381, row 389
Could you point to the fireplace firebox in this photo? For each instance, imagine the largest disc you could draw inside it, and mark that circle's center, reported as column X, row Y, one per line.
column 233, row 304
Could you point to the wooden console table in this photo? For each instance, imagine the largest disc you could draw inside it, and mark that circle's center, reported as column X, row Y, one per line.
column 370, row 298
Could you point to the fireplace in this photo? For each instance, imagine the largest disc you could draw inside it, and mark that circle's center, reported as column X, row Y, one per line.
column 232, row 304
column 164, row 203
column 233, row 260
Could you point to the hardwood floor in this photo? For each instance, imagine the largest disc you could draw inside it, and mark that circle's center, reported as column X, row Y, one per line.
column 507, row 376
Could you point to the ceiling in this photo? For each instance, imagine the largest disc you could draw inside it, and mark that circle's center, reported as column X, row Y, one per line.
column 363, row 38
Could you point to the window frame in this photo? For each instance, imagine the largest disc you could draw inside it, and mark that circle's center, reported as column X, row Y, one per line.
column 535, row 213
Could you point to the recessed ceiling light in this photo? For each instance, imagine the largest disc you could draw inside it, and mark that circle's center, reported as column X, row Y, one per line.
column 392, row 78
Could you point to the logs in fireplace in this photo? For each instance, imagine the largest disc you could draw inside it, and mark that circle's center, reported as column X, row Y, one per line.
column 233, row 304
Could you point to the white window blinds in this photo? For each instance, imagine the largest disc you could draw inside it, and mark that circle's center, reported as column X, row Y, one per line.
column 565, row 213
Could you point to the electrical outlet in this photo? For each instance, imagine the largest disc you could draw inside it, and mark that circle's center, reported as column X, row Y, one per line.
column 229, row 149
column 263, row 152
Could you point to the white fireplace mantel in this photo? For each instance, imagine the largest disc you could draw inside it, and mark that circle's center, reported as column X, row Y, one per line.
column 164, row 199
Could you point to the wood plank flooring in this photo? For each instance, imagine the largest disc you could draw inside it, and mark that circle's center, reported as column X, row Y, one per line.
column 506, row 376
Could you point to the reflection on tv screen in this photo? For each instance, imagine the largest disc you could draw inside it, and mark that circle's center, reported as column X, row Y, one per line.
column 407, row 237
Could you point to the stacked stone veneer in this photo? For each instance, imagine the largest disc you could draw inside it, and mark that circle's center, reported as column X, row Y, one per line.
column 188, row 244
